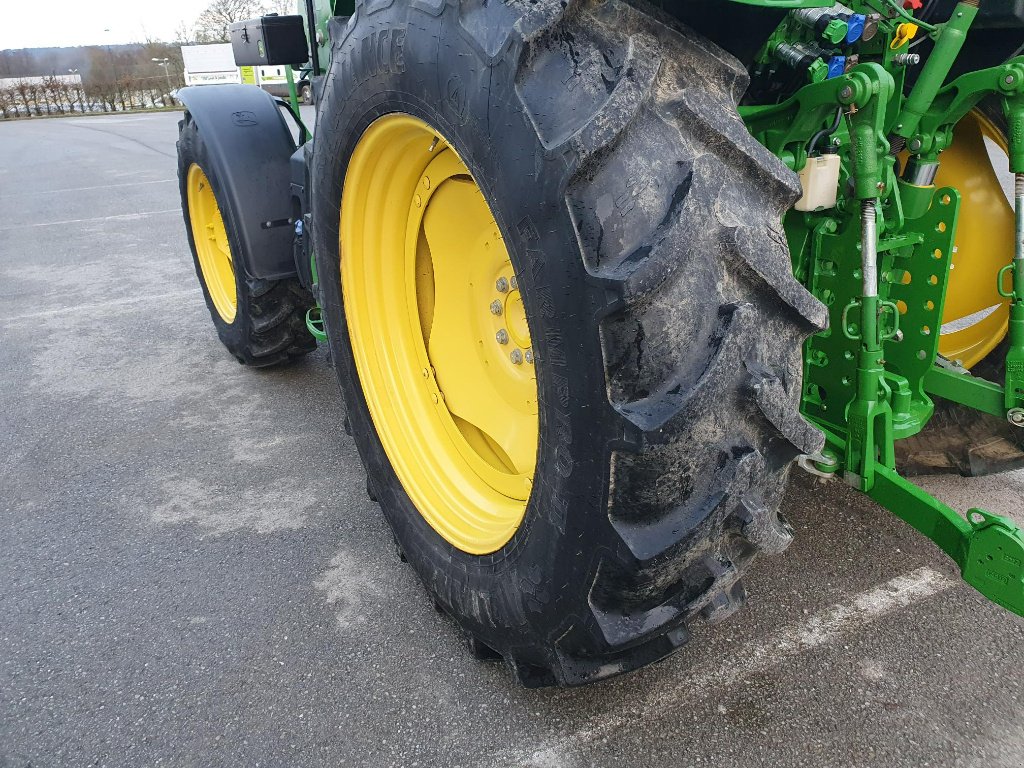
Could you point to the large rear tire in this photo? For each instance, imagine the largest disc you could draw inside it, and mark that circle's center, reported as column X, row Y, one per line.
column 643, row 223
column 261, row 322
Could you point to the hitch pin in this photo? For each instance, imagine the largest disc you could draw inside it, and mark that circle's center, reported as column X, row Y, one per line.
column 823, row 465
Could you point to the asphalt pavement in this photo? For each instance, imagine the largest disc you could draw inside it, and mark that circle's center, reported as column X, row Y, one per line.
column 191, row 573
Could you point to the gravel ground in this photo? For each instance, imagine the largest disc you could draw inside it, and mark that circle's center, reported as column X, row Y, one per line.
column 191, row 573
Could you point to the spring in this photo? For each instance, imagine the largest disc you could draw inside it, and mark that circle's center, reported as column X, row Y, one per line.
column 869, row 247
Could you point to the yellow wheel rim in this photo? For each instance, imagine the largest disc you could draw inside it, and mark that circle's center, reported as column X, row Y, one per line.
column 211, row 241
column 439, row 334
column 975, row 316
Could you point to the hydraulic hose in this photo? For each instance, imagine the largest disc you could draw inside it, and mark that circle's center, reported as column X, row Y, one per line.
column 825, row 132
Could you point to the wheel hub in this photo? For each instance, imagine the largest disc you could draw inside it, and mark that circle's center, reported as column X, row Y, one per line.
column 439, row 333
column 211, row 239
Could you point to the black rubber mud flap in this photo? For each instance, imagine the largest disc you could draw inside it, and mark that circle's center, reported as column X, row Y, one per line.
column 249, row 145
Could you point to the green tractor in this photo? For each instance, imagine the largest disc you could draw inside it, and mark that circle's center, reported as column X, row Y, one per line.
column 596, row 274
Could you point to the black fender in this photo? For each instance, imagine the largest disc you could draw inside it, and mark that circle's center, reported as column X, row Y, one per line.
column 250, row 146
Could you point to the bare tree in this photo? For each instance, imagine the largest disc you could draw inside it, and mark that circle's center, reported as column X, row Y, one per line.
column 51, row 90
column 281, row 7
column 98, row 94
column 36, row 90
column 26, row 91
column 212, row 24
column 184, row 34
column 65, row 94
column 78, row 97
column 8, row 103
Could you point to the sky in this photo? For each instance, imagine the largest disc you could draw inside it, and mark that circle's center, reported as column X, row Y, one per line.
column 92, row 22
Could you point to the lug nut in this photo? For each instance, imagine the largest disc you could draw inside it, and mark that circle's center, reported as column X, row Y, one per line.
column 514, row 283
column 502, row 336
column 516, row 356
column 529, row 356
column 501, row 285
column 495, row 307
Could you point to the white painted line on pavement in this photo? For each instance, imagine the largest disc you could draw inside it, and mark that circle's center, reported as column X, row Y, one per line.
column 86, row 189
column 100, row 305
column 116, row 217
column 819, row 630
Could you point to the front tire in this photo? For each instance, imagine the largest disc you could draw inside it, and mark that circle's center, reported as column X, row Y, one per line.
column 261, row 322
column 642, row 222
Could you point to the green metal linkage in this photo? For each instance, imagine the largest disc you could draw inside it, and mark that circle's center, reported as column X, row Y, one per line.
column 949, row 39
column 785, row 128
column 934, row 128
column 988, row 548
column 961, row 387
column 1014, row 385
column 869, row 438
column 880, row 259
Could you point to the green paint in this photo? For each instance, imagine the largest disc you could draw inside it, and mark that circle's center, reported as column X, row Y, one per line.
column 989, row 549
column 1013, row 387
column 315, row 323
column 835, row 32
column 869, row 378
column 293, row 96
column 961, row 387
column 949, row 39
column 314, row 317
